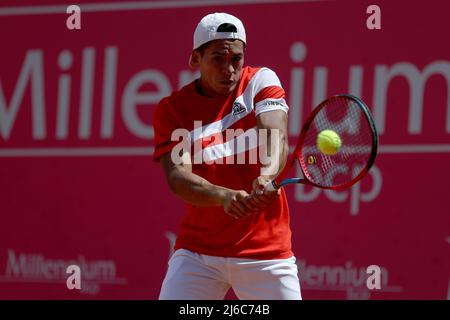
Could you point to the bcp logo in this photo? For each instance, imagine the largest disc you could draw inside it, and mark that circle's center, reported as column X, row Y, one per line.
column 366, row 190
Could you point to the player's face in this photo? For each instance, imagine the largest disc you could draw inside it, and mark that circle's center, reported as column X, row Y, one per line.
column 220, row 67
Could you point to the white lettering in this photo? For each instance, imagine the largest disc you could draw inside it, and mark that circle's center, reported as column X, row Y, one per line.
column 374, row 279
column 74, row 20
column 62, row 123
column 416, row 81
column 109, row 92
column 74, row 280
column 131, row 98
column 373, row 21
column 87, row 88
column 32, row 70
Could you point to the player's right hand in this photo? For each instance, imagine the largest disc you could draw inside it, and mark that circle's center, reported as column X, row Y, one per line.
column 261, row 197
column 237, row 204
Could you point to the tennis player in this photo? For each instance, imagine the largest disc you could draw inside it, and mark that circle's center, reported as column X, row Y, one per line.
column 234, row 234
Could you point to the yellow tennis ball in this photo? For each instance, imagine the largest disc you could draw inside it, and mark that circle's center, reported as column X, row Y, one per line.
column 328, row 142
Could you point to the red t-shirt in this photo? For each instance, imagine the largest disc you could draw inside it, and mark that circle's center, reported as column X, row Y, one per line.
column 209, row 230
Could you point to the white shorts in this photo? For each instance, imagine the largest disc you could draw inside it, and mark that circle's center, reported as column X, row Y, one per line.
column 193, row 276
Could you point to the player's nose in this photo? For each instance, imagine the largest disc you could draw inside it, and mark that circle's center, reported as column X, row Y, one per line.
column 228, row 69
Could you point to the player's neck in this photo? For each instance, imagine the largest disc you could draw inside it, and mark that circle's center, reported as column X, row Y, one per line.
column 199, row 89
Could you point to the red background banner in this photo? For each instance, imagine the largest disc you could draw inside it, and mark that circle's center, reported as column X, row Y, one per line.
column 77, row 184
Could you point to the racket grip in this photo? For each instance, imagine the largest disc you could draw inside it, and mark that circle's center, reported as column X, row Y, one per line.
column 270, row 186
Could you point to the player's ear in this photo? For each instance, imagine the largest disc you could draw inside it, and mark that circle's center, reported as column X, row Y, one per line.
column 194, row 60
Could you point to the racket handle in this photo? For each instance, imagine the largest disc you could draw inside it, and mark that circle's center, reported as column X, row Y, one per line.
column 270, row 186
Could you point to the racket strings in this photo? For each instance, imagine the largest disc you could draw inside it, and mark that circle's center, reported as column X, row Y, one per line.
column 346, row 118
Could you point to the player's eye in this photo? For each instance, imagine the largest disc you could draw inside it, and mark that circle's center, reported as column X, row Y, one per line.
column 237, row 59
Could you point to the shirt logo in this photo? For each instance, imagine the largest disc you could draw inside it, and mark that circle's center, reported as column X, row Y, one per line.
column 238, row 108
column 273, row 103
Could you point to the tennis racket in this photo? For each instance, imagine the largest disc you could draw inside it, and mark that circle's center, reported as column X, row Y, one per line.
column 336, row 164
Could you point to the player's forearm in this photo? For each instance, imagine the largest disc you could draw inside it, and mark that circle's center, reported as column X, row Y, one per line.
column 278, row 150
column 195, row 189
column 284, row 152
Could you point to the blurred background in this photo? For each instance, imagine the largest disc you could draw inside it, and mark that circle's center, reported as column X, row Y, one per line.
column 78, row 185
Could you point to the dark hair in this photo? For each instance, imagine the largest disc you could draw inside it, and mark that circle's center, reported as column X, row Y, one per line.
column 203, row 47
column 224, row 27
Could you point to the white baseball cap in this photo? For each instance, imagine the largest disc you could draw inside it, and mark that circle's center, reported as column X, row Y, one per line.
column 208, row 29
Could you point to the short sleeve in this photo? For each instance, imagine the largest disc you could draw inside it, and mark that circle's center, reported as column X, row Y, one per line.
column 270, row 95
column 164, row 123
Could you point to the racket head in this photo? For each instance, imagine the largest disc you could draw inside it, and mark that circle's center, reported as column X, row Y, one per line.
column 349, row 117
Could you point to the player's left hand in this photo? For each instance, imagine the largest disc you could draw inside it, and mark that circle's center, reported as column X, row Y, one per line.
column 263, row 198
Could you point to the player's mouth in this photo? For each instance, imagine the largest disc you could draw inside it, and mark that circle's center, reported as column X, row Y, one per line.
column 227, row 83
